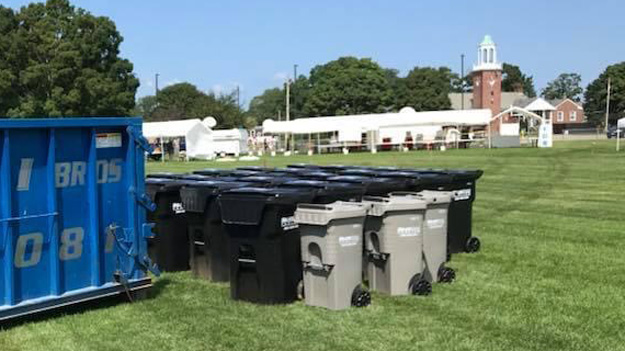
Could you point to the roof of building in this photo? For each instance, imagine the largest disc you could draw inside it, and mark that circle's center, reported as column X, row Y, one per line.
column 487, row 40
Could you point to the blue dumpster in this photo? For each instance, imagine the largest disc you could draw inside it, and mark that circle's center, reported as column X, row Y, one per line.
column 72, row 212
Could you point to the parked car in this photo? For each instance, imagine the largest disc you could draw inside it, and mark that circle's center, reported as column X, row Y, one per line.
column 612, row 132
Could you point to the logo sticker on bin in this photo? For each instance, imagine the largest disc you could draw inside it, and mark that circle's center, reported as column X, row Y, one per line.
column 288, row 223
column 177, row 208
column 346, row 241
column 435, row 223
column 461, row 195
column 408, row 231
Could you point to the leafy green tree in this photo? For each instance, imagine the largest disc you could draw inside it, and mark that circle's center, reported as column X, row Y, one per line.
column 426, row 89
column 58, row 60
column 145, row 107
column 185, row 101
column 270, row 104
column 347, row 86
column 567, row 85
column 596, row 95
column 515, row 81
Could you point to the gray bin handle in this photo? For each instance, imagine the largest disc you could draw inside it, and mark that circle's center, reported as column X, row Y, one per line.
column 377, row 256
column 318, row 268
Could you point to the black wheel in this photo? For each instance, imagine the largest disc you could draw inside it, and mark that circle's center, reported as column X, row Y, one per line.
column 300, row 290
column 473, row 245
column 421, row 288
column 361, row 297
column 446, row 275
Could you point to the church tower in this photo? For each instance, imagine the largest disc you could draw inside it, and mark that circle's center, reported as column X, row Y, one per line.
column 487, row 77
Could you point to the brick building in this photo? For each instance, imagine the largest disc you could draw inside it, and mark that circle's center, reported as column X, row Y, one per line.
column 564, row 114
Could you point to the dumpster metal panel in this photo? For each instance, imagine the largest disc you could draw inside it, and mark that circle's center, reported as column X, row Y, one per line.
column 72, row 211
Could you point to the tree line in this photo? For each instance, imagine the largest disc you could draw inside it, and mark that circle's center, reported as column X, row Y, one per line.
column 57, row 60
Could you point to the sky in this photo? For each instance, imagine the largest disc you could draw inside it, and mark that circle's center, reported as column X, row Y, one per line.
column 218, row 45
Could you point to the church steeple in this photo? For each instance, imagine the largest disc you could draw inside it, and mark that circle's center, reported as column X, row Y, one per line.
column 487, row 55
column 487, row 77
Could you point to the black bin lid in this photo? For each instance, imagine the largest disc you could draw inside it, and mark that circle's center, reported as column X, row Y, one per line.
column 337, row 168
column 212, row 172
column 303, row 166
column 244, row 206
column 166, row 175
column 316, row 175
column 268, row 179
column 255, row 168
column 241, row 173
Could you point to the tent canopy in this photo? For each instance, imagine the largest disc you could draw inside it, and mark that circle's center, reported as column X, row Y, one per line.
column 198, row 137
column 406, row 117
column 621, row 123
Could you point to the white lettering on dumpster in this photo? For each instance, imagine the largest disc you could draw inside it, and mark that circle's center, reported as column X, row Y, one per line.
column 28, row 247
column 408, row 231
column 23, row 178
column 69, row 174
column 346, row 241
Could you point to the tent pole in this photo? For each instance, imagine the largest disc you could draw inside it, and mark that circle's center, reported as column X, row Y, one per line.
column 318, row 145
column 618, row 139
column 490, row 145
column 162, row 150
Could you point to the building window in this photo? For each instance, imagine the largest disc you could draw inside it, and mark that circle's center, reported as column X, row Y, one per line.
column 485, row 56
column 491, row 56
column 573, row 116
column 560, row 116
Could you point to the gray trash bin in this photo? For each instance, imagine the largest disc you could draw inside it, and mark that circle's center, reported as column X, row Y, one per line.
column 394, row 244
column 331, row 238
column 435, row 234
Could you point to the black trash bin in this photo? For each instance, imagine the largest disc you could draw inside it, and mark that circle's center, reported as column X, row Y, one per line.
column 267, row 180
column 170, row 246
column 315, row 175
column 259, row 169
column 265, row 254
column 303, row 166
column 211, row 172
column 166, row 175
column 209, row 247
column 375, row 186
column 329, row 192
column 462, row 183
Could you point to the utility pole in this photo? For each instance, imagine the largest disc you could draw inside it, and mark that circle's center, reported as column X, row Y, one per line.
column 288, row 108
column 607, row 105
column 294, row 80
column 156, row 84
column 238, row 98
column 462, row 81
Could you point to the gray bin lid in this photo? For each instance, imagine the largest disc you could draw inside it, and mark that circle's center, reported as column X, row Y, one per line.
column 429, row 196
column 322, row 214
column 380, row 205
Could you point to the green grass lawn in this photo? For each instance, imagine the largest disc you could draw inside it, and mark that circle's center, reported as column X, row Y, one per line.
column 551, row 274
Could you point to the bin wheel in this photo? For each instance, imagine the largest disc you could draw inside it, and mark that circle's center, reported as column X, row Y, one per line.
column 421, row 288
column 361, row 297
column 446, row 275
column 473, row 245
column 300, row 290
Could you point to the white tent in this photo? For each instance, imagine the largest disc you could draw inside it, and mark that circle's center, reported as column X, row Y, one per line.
column 356, row 124
column 621, row 123
column 198, row 137
column 230, row 141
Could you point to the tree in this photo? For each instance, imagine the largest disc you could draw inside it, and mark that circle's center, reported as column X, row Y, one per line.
column 426, row 89
column 567, row 85
column 145, row 107
column 270, row 104
column 347, row 86
column 58, row 60
column 515, row 81
column 185, row 101
column 596, row 95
